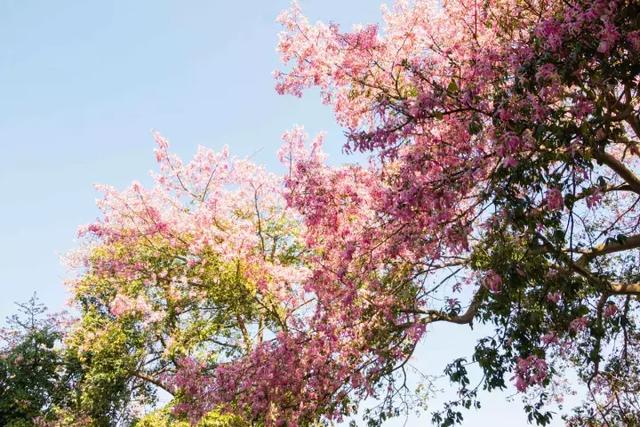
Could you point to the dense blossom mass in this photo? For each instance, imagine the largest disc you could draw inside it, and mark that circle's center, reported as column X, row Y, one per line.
column 502, row 189
column 210, row 287
column 504, row 157
column 186, row 279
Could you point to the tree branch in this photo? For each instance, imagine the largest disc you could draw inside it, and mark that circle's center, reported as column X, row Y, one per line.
column 153, row 381
column 465, row 318
column 625, row 288
column 608, row 287
column 631, row 242
column 616, row 165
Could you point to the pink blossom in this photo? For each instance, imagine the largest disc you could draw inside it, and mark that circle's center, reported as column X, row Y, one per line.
column 493, row 282
column 608, row 37
column 579, row 324
column 509, row 162
column 121, row 304
column 594, row 199
column 550, row 338
column 610, row 310
column 554, row 297
column 634, row 39
column 530, row 371
column 554, row 199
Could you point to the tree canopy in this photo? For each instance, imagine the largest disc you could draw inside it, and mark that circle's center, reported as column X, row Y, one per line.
column 504, row 137
column 502, row 189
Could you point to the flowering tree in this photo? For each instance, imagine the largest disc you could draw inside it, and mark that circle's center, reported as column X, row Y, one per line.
column 179, row 281
column 209, row 287
column 503, row 180
column 502, row 189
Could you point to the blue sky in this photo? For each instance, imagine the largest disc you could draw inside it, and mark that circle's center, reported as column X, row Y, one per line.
column 83, row 83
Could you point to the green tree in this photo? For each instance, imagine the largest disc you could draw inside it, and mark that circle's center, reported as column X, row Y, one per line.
column 34, row 376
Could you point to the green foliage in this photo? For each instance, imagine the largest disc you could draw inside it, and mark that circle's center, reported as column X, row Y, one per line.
column 105, row 387
column 164, row 418
column 35, row 376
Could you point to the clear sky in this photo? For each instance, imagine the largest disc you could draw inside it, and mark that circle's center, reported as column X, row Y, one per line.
column 83, row 83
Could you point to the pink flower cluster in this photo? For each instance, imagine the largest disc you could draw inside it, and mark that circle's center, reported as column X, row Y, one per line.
column 122, row 305
column 579, row 324
column 554, row 199
column 493, row 282
column 530, row 371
